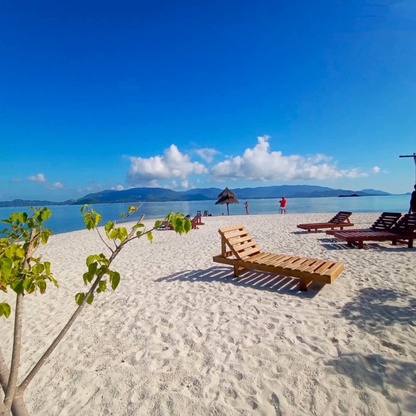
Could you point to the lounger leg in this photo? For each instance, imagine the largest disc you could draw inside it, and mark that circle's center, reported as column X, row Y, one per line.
column 236, row 271
column 410, row 243
column 394, row 242
column 304, row 283
column 361, row 244
column 342, row 228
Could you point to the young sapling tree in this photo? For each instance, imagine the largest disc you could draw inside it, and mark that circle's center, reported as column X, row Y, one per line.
column 24, row 274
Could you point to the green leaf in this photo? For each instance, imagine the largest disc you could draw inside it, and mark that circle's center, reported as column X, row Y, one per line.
column 115, row 280
column 158, row 223
column 122, row 215
column 109, row 226
column 132, row 209
column 42, row 286
column 17, row 286
column 47, row 265
column 20, row 252
column 5, row 309
column 90, row 299
column 44, row 236
column 187, row 226
column 27, row 283
column 91, row 258
column 46, row 213
column 6, row 267
column 102, row 286
column 79, row 298
column 83, row 208
column 138, row 234
column 150, row 236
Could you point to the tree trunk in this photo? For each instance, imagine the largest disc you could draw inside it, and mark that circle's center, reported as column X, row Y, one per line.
column 18, row 406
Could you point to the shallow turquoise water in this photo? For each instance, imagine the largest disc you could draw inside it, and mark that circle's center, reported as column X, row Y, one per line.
column 67, row 218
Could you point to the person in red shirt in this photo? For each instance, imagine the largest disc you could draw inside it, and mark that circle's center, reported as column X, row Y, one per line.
column 283, row 205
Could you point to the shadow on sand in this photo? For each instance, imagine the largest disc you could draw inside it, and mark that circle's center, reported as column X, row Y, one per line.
column 335, row 244
column 372, row 310
column 379, row 373
column 249, row 278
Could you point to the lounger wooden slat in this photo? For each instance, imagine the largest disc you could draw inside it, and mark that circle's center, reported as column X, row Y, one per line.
column 257, row 257
column 238, row 233
column 340, row 221
column 402, row 230
column 266, row 259
column 249, row 252
column 296, row 264
column 242, row 239
column 315, row 266
column 241, row 247
column 232, row 228
column 305, row 269
column 275, row 259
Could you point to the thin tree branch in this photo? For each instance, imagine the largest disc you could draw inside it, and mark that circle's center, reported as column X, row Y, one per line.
column 102, row 239
column 21, row 389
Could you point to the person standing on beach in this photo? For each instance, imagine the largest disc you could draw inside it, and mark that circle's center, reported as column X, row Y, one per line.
column 283, row 205
column 246, row 207
column 413, row 201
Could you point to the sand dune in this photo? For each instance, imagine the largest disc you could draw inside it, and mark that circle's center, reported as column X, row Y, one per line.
column 181, row 336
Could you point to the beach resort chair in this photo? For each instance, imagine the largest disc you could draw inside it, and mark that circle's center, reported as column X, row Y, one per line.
column 197, row 220
column 403, row 230
column 341, row 220
column 239, row 249
column 383, row 223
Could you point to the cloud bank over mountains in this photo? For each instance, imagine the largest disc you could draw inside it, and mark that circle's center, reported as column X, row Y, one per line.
column 259, row 163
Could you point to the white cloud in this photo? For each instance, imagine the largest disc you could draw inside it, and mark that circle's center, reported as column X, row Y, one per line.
column 55, row 186
column 261, row 164
column 375, row 169
column 207, row 154
column 118, row 188
column 40, row 177
column 185, row 183
column 173, row 164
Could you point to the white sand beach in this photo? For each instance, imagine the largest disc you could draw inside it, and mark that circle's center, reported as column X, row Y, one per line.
column 181, row 336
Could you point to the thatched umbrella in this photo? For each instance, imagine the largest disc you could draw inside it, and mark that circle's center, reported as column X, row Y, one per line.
column 227, row 197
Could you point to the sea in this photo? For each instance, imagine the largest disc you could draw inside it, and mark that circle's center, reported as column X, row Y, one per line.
column 66, row 218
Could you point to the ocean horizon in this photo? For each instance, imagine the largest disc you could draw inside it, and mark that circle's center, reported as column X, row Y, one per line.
column 67, row 218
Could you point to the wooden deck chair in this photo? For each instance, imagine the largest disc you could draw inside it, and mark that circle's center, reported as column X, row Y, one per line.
column 383, row 223
column 197, row 220
column 403, row 230
column 240, row 250
column 341, row 220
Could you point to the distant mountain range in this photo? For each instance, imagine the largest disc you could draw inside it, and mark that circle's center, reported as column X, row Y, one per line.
column 199, row 194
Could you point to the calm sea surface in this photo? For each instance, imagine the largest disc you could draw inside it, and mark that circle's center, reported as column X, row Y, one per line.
column 68, row 218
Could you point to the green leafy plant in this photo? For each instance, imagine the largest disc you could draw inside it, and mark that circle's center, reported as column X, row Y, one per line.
column 23, row 274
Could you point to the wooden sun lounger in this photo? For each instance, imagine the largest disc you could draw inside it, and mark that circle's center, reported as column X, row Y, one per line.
column 197, row 220
column 240, row 250
column 383, row 223
column 403, row 230
column 341, row 220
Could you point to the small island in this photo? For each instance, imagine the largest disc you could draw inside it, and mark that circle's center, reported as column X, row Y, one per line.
column 348, row 196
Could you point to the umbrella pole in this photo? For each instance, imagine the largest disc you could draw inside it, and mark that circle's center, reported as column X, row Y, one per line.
column 228, row 210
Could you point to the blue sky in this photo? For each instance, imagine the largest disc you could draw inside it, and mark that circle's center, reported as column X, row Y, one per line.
column 98, row 95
